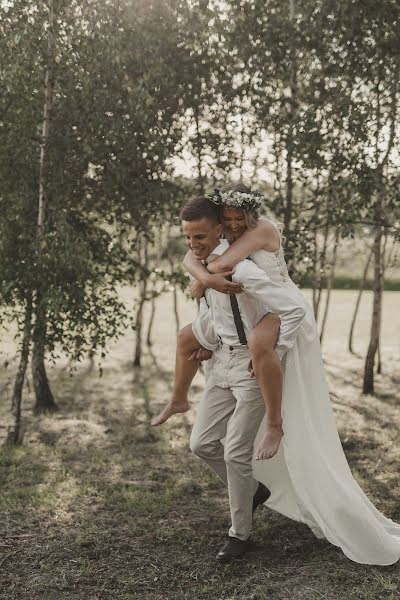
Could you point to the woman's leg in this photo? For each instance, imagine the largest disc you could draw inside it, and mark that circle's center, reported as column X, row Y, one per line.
column 185, row 370
column 268, row 371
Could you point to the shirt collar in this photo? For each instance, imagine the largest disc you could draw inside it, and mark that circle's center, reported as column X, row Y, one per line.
column 220, row 249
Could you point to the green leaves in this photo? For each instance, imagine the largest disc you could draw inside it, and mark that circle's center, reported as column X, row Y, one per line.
column 145, row 91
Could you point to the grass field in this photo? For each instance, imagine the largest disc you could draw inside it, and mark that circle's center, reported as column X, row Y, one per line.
column 97, row 505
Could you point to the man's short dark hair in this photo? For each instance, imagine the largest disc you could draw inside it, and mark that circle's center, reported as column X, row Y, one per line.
column 200, row 208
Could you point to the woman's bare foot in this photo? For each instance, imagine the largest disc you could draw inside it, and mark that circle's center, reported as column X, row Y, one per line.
column 269, row 445
column 171, row 409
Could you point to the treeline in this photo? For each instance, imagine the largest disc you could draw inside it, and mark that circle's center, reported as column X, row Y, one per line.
column 101, row 98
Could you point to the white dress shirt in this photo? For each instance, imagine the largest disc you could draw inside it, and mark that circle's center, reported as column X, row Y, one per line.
column 260, row 296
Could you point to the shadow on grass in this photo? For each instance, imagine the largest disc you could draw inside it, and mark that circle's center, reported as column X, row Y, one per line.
column 22, row 472
column 112, row 508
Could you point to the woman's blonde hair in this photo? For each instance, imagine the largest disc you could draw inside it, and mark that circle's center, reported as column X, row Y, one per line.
column 251, row 218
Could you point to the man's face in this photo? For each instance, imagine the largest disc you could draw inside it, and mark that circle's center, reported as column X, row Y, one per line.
column 201, row 236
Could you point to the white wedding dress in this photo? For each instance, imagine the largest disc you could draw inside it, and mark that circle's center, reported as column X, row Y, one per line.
column 309, row 477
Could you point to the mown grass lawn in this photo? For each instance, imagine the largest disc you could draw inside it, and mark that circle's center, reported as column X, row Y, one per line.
column 96, row 504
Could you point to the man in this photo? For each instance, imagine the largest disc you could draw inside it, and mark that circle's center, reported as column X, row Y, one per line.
column 232, row 406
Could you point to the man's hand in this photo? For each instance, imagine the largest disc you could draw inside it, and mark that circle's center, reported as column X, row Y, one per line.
column 201, row 354
column 220, row 284
column 250, row 369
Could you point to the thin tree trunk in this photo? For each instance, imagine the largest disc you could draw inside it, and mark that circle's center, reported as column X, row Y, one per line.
column 139, row 326
column 291, row 133
column 329, row 285
column 151, row 321
column 139, row 315
column 14, row 428
column 44, row 397
column 385, row 238
column 174, row 291
column 176, row 311
column 385, row 159
column 47, row 111
column 360, row 291
column 315, row 276
column 368, row 384
column 153, row 298
column 379, row 367
column 91, row 360
column 320, row 277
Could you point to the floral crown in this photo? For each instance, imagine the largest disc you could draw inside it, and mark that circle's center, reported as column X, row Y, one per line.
column 247, row 201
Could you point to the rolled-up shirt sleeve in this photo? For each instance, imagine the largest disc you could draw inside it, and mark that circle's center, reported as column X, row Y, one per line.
column 285, row 302
column 203, row 327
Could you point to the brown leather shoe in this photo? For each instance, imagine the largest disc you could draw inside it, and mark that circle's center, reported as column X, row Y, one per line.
column 234, row 548
column 262, row 494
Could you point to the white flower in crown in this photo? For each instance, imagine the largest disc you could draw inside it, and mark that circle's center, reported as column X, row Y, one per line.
column 248, row 202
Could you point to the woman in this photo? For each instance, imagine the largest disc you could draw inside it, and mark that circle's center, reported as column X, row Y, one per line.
column 309, row 476
column 254, row 234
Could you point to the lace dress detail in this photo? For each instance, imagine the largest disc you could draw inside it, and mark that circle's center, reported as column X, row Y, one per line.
column 273, row 263
column 282, row 265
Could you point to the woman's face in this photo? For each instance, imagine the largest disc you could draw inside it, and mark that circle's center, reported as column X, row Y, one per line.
column 234, row 222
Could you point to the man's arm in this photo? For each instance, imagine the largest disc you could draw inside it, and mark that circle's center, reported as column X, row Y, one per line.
column 284, row 302
column 203, row 327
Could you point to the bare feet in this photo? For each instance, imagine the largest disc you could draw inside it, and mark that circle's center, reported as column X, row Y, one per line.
column 171, row 409
column 269, row 445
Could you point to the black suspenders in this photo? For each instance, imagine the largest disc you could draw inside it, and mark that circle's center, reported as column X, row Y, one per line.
column 237, row 317
column 236, row 314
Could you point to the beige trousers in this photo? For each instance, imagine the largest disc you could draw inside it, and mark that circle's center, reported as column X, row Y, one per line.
column 232, row 408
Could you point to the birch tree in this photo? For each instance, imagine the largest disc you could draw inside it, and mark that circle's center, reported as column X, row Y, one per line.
column 44, row 396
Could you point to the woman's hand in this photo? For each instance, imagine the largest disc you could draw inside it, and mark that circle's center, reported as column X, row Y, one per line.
column 250, row 368
column 196, row 289
column 201, row 354
column 218, row 282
